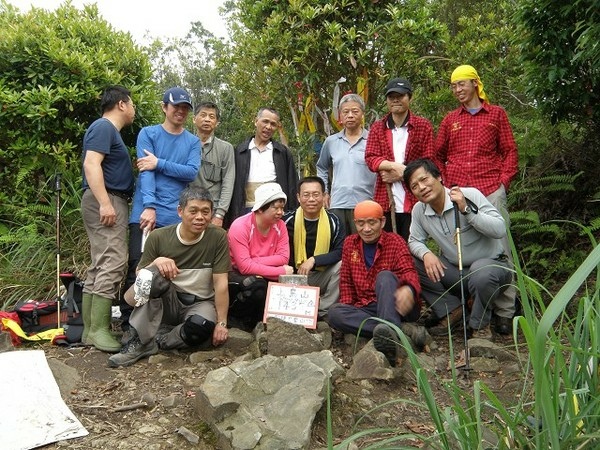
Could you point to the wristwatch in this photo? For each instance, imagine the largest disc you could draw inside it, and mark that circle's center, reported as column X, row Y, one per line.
column 219, row 216
column 222, row 324
column 467, row 210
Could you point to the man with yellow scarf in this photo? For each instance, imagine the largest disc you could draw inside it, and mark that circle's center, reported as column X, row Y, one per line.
column 316, row 240
column 475, row 147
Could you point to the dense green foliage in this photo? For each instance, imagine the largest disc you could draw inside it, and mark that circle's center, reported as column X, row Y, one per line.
column 53, row 68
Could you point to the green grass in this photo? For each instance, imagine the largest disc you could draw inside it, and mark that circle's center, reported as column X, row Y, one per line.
column 559, row 403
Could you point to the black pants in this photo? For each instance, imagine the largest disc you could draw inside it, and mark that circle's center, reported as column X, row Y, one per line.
column 247, row 297
column 402, row 224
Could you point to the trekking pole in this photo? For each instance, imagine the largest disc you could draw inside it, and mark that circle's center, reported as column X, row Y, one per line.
column 462, row 288
column 57, row 188
column 392, row 207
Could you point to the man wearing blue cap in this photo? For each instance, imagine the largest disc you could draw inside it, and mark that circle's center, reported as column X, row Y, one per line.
column 168, row 159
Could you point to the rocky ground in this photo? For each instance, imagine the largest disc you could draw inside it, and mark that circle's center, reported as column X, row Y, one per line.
column 150, row 404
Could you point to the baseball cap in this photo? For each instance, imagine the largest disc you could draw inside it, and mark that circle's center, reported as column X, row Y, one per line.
column 399, row 85
column 176, row 96
column 266, row 193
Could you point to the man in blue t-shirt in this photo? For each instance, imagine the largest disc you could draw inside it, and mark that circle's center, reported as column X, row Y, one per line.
column 108, row 185
column 168, row 159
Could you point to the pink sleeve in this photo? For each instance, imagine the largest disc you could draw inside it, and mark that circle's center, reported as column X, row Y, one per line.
column 242, row 248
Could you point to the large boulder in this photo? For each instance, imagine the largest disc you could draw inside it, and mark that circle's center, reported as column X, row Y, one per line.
column 266, row 403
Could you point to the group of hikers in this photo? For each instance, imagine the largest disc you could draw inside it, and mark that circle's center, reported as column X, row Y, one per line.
column 210, row 225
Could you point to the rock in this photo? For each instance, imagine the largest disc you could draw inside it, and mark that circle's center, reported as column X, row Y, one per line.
column 369, row 363
column 158, row 359
column 149, row 398
column 66, row 377
column 480, row 364
column 266, row 403
column 284, row 339
column 244, row 357
column 324, row 334
column 488, row 349
column 427, row 362
column 172, row 401
column 191, row 437
column 5, row 342
column 353, row 341
column 325, row 360
column 298, row 280
column 238, row 341
column 204, row 356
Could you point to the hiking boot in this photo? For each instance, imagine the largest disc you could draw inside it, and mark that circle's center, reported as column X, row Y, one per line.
column 417, row 334
column 482, row 333
column 386, row 341
column 503, row 325
column 133, row 351
column 452, row 320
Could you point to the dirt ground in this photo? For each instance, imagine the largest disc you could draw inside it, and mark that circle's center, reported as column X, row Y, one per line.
column 105, row 399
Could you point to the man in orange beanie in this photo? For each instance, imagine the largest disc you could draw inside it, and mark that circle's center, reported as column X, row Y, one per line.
column 377, row 280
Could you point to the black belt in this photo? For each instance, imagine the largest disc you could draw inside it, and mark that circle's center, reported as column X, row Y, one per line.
column 120, row 194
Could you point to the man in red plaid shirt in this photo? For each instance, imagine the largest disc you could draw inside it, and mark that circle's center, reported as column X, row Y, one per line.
column 377, row 279
column 394, row 141
column 475, row 147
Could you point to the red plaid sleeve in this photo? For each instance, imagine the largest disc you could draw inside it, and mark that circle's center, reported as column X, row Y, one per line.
column 477, row 150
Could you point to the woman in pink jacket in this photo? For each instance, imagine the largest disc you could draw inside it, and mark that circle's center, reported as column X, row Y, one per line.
column 259, row 248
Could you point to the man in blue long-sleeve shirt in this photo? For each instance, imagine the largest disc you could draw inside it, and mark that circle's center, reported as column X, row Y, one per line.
column 168, row 159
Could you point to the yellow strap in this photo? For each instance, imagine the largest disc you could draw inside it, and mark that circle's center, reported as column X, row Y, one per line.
column 47, row 335
column 323, row 236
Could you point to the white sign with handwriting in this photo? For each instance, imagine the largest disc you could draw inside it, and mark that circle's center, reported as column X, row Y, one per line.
column 293, row 303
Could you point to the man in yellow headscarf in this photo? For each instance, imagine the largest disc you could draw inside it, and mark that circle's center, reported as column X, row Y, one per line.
column 316, row 238
column 475, row 147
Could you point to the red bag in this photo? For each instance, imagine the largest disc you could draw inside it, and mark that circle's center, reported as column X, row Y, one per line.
column 16, row 341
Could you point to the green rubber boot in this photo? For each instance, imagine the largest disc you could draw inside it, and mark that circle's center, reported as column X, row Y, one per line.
column 86, row 312
column 99, row 335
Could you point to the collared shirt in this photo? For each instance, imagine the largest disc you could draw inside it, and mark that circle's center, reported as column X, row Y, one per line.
column 480, row 234
column 357, row 283
column 352, row 180
column 477, row 150
column 217, row 172
column 262, row 166
column 399, row 140
column 380, row 147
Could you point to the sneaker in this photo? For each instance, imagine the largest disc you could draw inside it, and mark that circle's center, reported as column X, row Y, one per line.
column 417, row 334
column 482, row 333
column 132, row 352
column 504, row 325
column 386, row 341
column 452, row 321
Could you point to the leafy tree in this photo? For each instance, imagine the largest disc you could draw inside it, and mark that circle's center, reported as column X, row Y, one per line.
column 53, row 68
column 561, row 59
column 192, row 62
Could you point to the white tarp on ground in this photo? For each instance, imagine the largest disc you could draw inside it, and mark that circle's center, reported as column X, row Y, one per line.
column 32, row 412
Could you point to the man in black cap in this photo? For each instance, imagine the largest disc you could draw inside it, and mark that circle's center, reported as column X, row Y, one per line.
column 394, row 141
